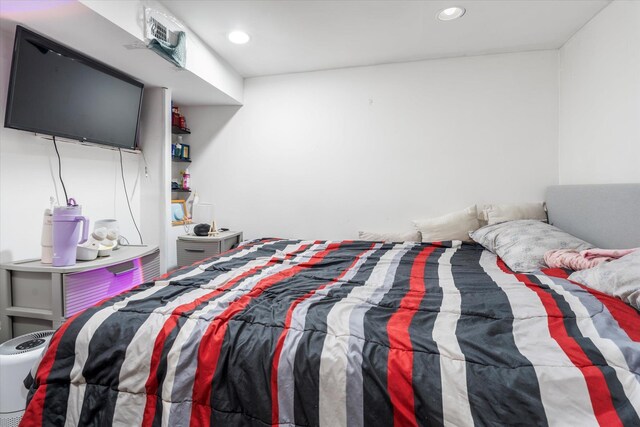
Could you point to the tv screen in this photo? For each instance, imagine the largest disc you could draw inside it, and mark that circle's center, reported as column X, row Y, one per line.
column 57, row 91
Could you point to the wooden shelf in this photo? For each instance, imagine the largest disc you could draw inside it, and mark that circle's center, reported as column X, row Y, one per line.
column 179, row 131
column 181, row 190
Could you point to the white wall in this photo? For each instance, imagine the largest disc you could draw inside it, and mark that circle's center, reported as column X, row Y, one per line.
column 28, row 177
column 599, row 134
column 323, row 154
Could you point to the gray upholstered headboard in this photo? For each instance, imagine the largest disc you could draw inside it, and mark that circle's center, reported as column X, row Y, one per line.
column 606, row 215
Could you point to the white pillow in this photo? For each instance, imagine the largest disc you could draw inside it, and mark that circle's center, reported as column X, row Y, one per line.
column 482, row 214
column 453, row 226
column 372, row 236
column 619, row 278
column 495, row 214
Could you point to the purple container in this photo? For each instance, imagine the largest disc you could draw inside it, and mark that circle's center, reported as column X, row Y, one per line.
column 66, row 233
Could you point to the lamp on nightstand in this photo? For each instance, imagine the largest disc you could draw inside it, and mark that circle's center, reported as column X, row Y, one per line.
column 203, row 214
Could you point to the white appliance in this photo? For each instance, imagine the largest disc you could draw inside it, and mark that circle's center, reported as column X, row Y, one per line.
column 17, row 356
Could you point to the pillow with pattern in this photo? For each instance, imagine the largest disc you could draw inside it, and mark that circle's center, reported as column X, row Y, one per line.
column 522, row 244
column 619, row 278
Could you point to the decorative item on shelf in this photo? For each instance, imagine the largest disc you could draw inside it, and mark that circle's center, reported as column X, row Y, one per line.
column 175, row 115
column 178, row 121
column 186, row 152
column 180, row 152
column 186, row 178
column 179, row 213
column 177, row 147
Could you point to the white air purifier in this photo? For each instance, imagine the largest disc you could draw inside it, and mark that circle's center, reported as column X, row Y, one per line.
column 17, row 356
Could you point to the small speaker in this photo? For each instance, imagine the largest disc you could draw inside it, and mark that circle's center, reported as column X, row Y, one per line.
column 201, row 229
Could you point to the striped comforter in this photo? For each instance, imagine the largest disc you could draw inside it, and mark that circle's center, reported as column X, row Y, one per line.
column 287, row 332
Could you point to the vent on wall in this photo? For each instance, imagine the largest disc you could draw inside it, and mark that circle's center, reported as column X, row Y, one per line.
column 158, row 30
column 161, row 26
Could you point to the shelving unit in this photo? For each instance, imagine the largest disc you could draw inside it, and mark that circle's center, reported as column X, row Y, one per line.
column 179, row 131
column 180, row 159
column 179, row 163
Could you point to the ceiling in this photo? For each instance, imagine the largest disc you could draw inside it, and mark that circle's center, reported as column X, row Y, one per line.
column 297, row 36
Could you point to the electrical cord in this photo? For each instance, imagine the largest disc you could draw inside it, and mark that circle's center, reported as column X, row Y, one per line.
column 146, row 167
column 66, row 198
column 126, row 194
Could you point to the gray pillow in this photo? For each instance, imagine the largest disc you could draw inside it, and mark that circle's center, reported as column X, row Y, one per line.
column 619, row 278
column 522, row 244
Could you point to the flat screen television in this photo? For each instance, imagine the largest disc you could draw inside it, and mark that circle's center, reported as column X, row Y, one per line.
column 57, row 91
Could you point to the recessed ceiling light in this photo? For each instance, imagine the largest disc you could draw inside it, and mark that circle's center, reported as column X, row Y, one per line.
column 451, row 13
column 239, row 37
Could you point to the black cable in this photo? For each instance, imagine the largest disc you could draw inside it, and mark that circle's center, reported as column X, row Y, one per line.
column 66, row 198
column 124, row 184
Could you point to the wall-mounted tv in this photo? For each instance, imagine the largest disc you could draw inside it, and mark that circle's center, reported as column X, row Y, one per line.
column 57, row 91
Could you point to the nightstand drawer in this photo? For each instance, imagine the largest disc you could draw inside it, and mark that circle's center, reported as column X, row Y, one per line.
column 31, row 289
column 229, row 244
column 190, row 252
column 87, row 288
column 191, row 249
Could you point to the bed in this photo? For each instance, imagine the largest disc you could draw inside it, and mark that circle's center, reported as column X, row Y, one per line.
column 348, row 333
